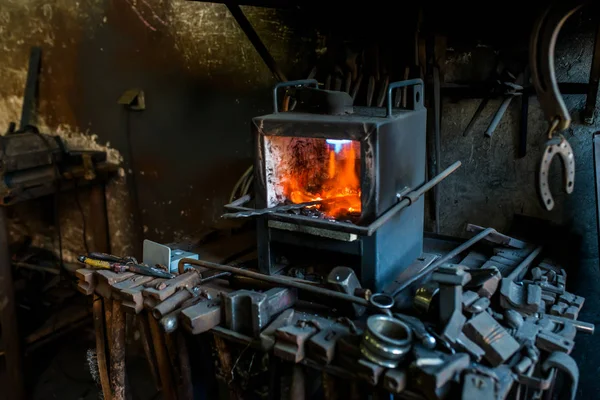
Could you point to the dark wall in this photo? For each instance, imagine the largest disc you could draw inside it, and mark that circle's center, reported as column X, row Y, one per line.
column 202, row 80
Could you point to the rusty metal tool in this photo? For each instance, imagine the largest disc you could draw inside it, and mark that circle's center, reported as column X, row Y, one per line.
column 120, row 267
column 256, row 213
column 164, row 289
column 498, row 238
column 149, row 271
column 278, row 280
column 249, row 312
column 203, row 316
column 110, row 258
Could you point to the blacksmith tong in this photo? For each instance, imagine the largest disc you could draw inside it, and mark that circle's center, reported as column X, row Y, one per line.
column 541, row 59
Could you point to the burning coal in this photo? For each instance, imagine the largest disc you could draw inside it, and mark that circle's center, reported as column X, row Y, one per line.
column 327, row 170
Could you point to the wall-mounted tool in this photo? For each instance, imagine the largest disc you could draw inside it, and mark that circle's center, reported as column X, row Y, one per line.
column 541, row 59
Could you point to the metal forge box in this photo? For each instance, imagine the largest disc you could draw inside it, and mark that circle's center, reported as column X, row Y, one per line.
column 357, row 162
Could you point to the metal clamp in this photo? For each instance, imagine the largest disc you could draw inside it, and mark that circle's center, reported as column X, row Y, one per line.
column 560, row 146
column 301, row 82
column 418, row 93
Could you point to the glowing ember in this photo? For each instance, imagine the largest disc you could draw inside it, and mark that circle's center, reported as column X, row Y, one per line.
column 336, row 182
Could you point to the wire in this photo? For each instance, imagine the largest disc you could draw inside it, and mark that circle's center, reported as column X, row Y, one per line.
column 242, row 183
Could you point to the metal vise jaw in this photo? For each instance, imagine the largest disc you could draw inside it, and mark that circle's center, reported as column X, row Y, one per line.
column 248, row 312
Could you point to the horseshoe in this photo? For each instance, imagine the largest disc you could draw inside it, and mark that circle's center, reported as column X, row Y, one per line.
column 560, row 146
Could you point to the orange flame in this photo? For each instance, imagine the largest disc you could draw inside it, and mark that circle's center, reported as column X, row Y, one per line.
column 337, row 183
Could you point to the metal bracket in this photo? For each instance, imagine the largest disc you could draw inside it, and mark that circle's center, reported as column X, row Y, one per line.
column 561, row 147
column 301, row 82
column 418, row 94
column 564, row 363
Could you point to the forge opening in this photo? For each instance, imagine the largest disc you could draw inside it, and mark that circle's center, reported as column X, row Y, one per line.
column 301, row 170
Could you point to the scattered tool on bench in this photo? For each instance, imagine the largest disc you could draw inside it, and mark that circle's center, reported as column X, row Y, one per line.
column 120, row 267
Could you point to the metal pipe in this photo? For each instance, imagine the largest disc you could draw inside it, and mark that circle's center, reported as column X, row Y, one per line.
column 524, row 264
column 368, row 230
column 276, row 280
column 437, row 141
column 584, row 327
column 498, row 116
column 171, row 303
column 481, row 235
column 411, row 198
column 259, row 46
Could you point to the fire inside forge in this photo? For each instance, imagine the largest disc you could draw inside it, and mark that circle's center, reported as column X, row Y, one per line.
column 301, row 170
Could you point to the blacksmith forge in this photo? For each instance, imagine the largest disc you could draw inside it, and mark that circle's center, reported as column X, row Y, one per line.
column 299, row 153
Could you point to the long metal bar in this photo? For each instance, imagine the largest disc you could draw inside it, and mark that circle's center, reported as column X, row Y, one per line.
column 271, row 210
column 30, row 95
column 584, row 327
column 444, row 259
column 499, row 238
column 437, row 141
column 525, row 263
column 411, row 198
column 260, row 47
column 476, row 115
column 368, row 230
column 498, row 115
column 276, row 280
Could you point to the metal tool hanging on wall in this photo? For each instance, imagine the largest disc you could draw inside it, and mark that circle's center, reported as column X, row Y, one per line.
column 543, row 42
